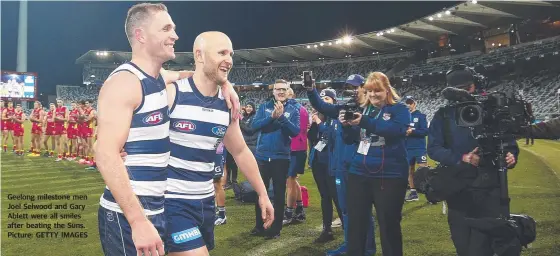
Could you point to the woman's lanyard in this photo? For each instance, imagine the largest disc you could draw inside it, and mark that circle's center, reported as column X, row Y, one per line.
column 365, row 113
column 372, row 140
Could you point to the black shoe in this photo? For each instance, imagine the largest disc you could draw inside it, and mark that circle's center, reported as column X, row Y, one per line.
column 257, row 232
column 272, row 236
column 324, row 237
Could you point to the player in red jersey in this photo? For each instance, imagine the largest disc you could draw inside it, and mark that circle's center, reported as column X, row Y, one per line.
column 17, row 128
column 48, row 125
column 7, row 129
column 59, row 128
column 37, row 116
column 72, row 131
column 87, row 130
column 3, row 122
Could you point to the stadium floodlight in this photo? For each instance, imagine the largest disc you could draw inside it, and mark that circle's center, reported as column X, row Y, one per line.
column 309, row 46
column 447, row 12
column 330, row 43
column 392, row 30
column 315, row 46
column 347, row 39
column 474, row 1
column 439, row 15
column 388, row 32
column 431, row 18
column 378, row 34
column 381, row 33
column 321, row 44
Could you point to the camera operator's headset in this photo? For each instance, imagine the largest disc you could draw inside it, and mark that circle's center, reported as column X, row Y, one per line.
column 477, row 79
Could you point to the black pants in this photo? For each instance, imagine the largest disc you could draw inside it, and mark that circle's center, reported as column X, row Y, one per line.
column 477, row 203
column 388, row 197
column 231, row 166
column 278, row 171
column 530, row 138
column 327, row 189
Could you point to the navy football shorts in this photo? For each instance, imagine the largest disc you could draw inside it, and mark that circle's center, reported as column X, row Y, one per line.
column 115, row 232
column 417, row 158
column 297, row 163
column 190, row 224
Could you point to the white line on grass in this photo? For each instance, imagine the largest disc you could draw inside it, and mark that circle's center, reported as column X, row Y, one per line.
column 545, row 162
column 265, row 248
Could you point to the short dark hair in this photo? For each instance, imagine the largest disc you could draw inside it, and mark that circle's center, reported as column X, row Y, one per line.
column 137, row 14
column 280, row 81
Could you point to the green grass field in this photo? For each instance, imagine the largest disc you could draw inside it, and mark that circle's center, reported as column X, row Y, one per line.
column 534, row 189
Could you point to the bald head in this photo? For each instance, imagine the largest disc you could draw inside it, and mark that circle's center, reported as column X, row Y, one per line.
column 213, row 53
column 211, row 39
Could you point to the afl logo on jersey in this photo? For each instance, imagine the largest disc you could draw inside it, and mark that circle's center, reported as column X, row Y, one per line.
column 184, row 126
column 153, row 118
column 219, row 130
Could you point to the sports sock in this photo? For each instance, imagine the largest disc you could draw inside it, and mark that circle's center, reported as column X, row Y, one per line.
column 289, row 212
column 299, row 207
column 222, row 211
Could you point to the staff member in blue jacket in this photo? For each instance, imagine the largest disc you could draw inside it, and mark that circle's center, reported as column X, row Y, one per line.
column 277, row 120
column 319, row 136
column 339, row 160
column 379, row 169
column 415, row 143
column 451, row 145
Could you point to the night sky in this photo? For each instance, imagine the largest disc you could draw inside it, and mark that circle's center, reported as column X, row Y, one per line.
column 60, row 32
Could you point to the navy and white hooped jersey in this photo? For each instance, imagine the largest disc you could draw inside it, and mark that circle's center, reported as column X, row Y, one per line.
column 147, row 145
column 198, row 125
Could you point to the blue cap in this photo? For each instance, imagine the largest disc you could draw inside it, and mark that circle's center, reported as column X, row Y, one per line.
column 355, row 80
column 409, row 97
column 329, row 93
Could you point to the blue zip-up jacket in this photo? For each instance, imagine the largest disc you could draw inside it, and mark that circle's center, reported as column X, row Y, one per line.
column 463, row 141
column 315, row 135
column 274, row 138
column 416, row 141
column 388, row 159
column 340, row 153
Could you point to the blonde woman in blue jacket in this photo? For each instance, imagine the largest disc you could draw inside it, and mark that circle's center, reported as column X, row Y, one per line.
column 379, row 168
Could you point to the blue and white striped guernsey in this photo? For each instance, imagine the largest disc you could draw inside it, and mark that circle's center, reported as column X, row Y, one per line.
column 198, row 125
column 147, row 145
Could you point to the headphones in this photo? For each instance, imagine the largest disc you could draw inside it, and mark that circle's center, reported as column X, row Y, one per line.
column 478, row 79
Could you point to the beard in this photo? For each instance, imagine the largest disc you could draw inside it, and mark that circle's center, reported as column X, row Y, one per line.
column 213, row 76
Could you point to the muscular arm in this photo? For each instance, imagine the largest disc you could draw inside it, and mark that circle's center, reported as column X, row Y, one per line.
column 170, row 76
column 235, row 145
column 118, row 98
column 4, row 115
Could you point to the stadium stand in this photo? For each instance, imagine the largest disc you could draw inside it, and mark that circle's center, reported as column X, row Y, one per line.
column 518, row 56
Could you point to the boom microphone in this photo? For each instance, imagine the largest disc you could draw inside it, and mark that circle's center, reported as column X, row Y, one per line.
column 454, row 94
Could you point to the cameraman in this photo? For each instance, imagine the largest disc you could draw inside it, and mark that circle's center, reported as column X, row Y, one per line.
column 379, row 168
column 341, row 155
column 452, row 145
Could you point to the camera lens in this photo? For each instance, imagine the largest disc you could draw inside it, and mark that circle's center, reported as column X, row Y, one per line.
column 470, row 114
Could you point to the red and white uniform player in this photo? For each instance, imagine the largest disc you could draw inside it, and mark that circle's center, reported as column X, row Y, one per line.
column 7, row 125
column 17, row 127
column 72, row 132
